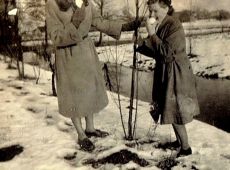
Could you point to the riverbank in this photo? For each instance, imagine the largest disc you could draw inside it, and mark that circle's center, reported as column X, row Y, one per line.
column 214, row 104
column 210, row 55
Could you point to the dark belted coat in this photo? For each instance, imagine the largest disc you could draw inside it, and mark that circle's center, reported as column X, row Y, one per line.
column 80, row 85
column 174, row 88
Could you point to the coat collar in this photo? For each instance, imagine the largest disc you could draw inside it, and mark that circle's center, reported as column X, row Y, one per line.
column 164, row 21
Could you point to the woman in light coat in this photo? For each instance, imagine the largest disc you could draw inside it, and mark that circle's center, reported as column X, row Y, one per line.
column 80, row 85
column 174, row 92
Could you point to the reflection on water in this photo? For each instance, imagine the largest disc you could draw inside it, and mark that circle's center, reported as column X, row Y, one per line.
column 213, row 95
column 214, row 99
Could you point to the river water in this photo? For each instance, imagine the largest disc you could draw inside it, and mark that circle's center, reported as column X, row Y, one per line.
column 213, row 95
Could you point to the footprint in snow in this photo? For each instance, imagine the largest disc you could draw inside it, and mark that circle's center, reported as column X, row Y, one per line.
column 207, row 145
column 49, row 119
column 34, row 109
column 226, row 156
column 17, row 87
column 67, row 154
column 69, row 123
column 64, row 126
column 24, row 93
column 70, row 156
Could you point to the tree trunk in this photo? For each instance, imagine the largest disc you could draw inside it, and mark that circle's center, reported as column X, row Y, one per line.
column 47, row 56
column 102, row 12
column 19, row 50
column 130, row 120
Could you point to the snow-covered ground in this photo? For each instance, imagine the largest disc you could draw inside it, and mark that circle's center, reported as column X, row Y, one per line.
column 211, row 55
column 29, row 117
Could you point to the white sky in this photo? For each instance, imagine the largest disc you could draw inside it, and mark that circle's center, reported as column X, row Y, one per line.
column 208, row 4
column 186, row 4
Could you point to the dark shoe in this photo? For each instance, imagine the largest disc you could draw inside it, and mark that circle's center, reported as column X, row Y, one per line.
column 169, row 145
column 183, row 152
column 86, row 145
column 175, row 144
column 97, row 133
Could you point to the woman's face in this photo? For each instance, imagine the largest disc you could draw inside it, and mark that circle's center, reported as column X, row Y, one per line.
column 157, row 11
column 64, row 5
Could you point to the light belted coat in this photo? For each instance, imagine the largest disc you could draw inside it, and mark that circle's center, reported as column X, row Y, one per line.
column 174, row 88
column 80, row 85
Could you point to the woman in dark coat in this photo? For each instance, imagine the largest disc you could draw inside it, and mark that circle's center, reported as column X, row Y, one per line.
column 174, row 92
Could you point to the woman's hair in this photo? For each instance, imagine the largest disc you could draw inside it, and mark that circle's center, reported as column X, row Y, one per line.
column 64, row 5
column 163, row 3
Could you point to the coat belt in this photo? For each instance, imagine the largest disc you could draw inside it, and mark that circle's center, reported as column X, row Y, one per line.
column 84, row 37
column 68, row 46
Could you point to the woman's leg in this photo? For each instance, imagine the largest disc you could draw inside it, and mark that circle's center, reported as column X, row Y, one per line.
column 78, row 125
column 91, row 131
column 83, row 141
column 176, row 133
column 89, row 123
column 181, row 133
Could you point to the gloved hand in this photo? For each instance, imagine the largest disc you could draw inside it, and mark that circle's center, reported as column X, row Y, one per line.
column 131, row 26
column 86, row 2
column 139, row 40
column 154, row 112
column 78, row 16
column 151, row 26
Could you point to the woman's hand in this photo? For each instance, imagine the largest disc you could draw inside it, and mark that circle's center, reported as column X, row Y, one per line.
column 138, row 39
column 86, row 2
column 151, row 25
column 78, row 16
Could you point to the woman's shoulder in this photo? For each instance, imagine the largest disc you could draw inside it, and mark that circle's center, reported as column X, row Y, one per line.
column 173, row 23
column 51, row 4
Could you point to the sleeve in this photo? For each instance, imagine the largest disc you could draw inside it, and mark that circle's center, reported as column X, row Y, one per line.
column 111, row 28
column 166, row 47
column 62, row 35
column 145, row 49
column 2, row 7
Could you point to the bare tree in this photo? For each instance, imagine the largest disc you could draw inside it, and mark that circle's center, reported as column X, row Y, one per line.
column 12, row 39
column 100, row 4
column 131, row 129
column 48, row 57
column 19, row 50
